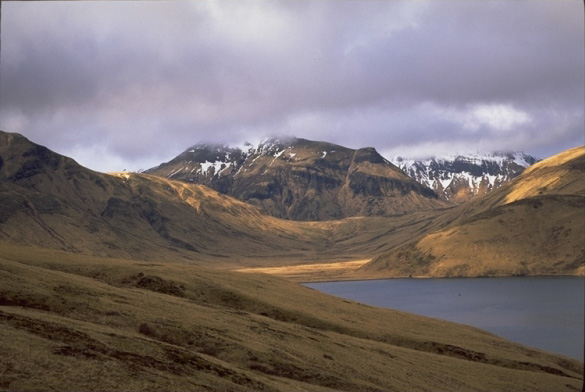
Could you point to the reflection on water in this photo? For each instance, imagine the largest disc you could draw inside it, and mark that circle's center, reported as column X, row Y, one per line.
column 542, row 312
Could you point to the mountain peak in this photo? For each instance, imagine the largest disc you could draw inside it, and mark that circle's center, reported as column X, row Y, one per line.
column 459, row 177
column 22, row 159
column 300, row 179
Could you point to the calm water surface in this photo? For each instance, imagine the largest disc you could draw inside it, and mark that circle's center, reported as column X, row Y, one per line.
column 542, row 312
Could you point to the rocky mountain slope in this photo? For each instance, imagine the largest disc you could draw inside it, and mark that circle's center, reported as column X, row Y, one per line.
column 300, row 179
column 49, row 200
column 460, row 178
column 533, row 225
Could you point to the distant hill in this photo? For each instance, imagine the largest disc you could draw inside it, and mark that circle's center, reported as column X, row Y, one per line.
column 459, row 178
column 300, row 179
column 534, row 225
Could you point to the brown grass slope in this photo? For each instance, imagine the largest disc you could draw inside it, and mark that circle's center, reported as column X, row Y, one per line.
column 535, row 225
column 50, row 201
column 74, row 322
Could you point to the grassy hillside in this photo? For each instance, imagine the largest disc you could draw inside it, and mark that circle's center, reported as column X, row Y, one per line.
column 74, row 322
column 535, row 225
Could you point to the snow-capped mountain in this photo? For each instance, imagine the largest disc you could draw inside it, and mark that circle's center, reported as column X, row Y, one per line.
column 458, row 178
column 216, row 164
column 303, row 180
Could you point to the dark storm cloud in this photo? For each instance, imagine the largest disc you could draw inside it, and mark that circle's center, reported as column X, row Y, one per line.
column 135, row 83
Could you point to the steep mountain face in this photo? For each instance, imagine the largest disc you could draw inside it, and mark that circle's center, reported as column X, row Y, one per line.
column 300, row 179
column 531, row 226
column 460, row 178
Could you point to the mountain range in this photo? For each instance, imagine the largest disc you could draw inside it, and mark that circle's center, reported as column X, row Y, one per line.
column 299, row 179
column 126, row 281
column 459, row 178
column 533, row 223
column 50, row 201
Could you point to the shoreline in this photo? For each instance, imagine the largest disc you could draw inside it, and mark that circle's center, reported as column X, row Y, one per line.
column 346, row 271
column 442, row 277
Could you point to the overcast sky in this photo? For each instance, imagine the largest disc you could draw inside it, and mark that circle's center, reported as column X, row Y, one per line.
column 127, row 85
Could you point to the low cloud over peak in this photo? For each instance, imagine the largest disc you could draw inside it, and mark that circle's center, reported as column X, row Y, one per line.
column 134, row 83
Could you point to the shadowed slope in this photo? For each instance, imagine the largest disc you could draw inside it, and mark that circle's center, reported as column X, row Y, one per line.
column 49, row 200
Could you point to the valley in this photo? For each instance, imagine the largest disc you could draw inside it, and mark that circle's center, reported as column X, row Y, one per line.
column 311, row 272
column 134, row 281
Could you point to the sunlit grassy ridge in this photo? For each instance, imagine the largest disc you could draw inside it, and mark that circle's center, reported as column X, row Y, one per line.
column 72, row 322
column 534, row 225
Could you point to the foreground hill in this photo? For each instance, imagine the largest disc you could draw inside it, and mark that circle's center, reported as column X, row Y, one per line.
column 74, row 322
column 532, row 226
column 303, row 180
column 460, row 178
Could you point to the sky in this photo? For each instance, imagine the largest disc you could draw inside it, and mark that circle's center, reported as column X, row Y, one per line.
column 128, row 85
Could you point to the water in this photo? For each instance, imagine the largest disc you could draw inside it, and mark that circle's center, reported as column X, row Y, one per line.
column 542, row 312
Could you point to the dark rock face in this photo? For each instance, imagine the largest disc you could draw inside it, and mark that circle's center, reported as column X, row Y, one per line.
column 303, row 180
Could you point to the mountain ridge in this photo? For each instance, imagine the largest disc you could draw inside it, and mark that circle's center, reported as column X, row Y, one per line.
column 121, row 282
column 459, row 178
column 50, row 201
column 299, row 179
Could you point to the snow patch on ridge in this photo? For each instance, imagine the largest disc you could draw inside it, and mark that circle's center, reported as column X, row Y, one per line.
column 477, row 170
column 217, row 167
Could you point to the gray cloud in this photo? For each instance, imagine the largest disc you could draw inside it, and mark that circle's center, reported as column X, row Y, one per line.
column 134, row 83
